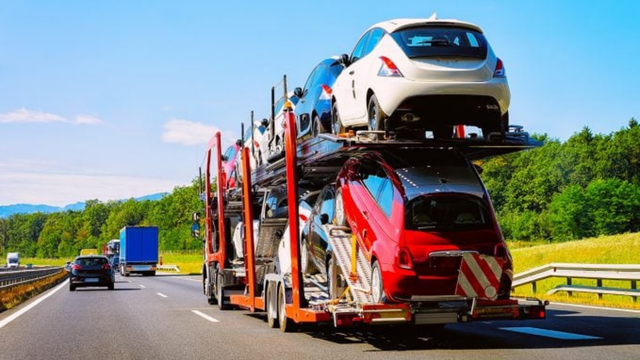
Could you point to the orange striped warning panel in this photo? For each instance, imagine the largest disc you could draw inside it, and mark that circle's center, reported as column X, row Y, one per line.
column 479, row 276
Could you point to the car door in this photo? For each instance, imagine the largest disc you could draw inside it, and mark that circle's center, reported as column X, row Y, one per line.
column 364, row 187
column 363, row 70
column 305, row 104
column 344, row 86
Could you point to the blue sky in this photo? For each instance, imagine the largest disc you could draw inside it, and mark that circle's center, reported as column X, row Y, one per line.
column 113, row 99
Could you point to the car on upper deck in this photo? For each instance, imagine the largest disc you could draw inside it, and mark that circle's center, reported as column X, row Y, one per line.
column 313, row 111
column 422, row 75
column 415, row 214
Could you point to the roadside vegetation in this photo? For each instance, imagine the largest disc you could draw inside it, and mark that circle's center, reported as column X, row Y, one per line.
column 17, row 294
column 618, row 249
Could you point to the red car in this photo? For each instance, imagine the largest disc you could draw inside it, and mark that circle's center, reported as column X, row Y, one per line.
column 415, row 214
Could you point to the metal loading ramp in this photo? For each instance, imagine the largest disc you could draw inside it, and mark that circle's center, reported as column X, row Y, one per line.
column 340, row 240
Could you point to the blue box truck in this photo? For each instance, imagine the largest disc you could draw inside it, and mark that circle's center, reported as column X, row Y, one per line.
column 138, row 250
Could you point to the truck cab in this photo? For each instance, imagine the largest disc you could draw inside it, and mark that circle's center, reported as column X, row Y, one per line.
column 13, row 260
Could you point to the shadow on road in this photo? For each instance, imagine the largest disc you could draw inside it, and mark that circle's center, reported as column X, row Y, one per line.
column 618, row 330
column 105, row 289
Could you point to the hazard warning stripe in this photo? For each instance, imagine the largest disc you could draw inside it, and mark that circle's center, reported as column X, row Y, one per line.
column 479, row 276
column 473, row 279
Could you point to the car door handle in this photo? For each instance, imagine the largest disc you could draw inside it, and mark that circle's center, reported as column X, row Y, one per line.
column 365, row 214
column 352, row 72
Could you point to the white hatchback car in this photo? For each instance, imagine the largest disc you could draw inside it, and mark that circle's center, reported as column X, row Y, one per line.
column 422, row 74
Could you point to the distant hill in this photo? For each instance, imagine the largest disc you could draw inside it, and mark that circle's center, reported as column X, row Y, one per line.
column 8, row 210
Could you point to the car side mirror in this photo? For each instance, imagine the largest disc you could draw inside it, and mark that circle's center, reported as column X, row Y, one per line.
column 298, row 92
column 324, row 219
column 478, row 168
column 344, row 60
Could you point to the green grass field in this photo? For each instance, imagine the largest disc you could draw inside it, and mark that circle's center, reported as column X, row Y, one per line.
column 617, row 249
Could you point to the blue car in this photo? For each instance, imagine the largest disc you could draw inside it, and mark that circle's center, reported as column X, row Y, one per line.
column 313, row 111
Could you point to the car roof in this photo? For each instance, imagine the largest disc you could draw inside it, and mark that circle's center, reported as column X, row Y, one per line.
column 90, row 257
column 399, row 24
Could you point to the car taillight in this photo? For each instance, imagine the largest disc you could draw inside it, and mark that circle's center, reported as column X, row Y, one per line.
column 499, row 71
column 106, row 267
column 76, row 267
column 404, row 259
column 326, row 92
column 500, row 251
column 388, row 68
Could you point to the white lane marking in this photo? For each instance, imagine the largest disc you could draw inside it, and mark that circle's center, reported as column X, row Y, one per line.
column 32, row 305
column 142, row 286
column 163, row 295
column 205, row 316
column 550, row 333
column 596, row 307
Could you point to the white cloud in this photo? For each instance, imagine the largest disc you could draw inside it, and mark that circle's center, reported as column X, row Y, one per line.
column 64, row 189
column 29, row 116
column 190, row 133
column 24, row 115
column 87, row 120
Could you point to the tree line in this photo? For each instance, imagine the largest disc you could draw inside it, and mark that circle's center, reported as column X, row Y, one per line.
column 64, row 234
column 586, row 186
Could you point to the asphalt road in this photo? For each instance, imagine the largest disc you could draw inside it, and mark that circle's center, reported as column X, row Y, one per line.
column 155, row 318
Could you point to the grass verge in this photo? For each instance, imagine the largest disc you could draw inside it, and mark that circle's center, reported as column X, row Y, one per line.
column 188, row 263
column 11, row 297
column 616, row 249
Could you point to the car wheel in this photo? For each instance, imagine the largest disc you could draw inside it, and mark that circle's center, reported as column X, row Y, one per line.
column 340, row 217
column 377, row 289
column 375, row 114
column 316, row 127
column 336, row 123
column 111, row 287
column 72, row 287
column 304, row 258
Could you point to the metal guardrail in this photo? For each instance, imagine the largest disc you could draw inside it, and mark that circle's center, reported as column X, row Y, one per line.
column 599, row 272
column 12, row 278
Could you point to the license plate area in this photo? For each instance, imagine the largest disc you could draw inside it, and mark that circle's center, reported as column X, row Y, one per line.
column 91, row 280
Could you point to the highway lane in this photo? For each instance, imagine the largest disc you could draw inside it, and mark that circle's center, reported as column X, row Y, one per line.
column 155, row 318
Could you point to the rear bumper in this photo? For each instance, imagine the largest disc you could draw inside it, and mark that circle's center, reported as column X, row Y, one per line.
column 82, row 281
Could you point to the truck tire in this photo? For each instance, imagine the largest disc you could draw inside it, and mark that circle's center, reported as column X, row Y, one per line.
column 222, row 305
column 272, row 305
column 286, row 324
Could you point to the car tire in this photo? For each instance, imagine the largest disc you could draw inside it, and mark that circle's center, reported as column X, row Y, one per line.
column 377, row 286
column 333, row 282
column 72, row 287
column 316, row 127
column 336, row 123
column 111, row 287
column 305, row 259
column 375, row 115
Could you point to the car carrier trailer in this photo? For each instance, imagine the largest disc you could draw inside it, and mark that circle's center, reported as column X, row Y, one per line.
column 282, row 296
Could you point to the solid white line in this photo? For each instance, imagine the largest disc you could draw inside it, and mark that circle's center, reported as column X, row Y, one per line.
column 205, row 316
column 142, row 286
column 31, row 306
column 596, row 307
column 550, row 333
column 163, row 295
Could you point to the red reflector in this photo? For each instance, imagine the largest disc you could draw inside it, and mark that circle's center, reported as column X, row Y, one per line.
column 388, row 68
column 499, row 71
column 326, row 89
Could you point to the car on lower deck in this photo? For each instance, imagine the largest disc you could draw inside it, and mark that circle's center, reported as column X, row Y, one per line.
column 422, row 75
column 415, row 214
column 91, row 271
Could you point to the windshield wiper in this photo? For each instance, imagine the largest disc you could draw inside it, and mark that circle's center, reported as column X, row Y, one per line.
column 438, row 42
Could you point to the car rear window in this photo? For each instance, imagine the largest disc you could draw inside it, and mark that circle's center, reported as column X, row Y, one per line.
column 91, row 261
column 447, row 212
column 431, row 41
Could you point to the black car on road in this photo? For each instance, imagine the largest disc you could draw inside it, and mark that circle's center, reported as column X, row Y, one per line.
column 91, row 270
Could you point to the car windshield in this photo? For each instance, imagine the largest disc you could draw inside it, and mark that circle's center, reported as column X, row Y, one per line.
column 432, row 41
column 13, row 261
column 91, row 261
column 447, row 212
